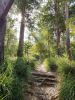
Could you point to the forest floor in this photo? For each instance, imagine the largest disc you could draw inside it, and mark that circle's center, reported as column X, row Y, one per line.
column 44, row 85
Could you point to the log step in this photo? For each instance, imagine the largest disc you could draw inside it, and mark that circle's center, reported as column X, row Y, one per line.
column 43, row 74
column 43, row 80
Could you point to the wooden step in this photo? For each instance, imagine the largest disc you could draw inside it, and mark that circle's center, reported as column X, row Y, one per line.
column 43, row 74
column 44, row 79
column 42, row 84
column 40, row 77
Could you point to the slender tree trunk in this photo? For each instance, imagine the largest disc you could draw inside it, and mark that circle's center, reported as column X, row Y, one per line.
column 48, row 45
column 57, row 26
column 21, row 39
column 67, row 31
column 2, row 34
column 58, row 42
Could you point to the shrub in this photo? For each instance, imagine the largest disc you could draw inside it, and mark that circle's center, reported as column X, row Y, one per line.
column 22, row 69
column 32, row 64
column 67, row 91
column 5, row 80
column 62, row 63
column 46, row 64
column 21, row 74
column 16, row 89
column 65, row 66
column 50, row 64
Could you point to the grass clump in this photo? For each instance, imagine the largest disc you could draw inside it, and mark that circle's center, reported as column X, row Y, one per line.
column 65, row 66
column 5, row 80
column 67, row 91
column 21, row 75
column 22, row 69
column 50, row 64
column 67, row 72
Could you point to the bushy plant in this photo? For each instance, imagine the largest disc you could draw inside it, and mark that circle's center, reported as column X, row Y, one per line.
column 67, row 91
column 32, row 64
column 50, row 64
column 21, row 74
column 16, row 90
column 5, row 80
column 62, row 63
column 46, row 64
column 22, row 69
column 65, row 66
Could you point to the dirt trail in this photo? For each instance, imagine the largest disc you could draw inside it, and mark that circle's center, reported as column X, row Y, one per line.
column 44, row 85
column 41, row 68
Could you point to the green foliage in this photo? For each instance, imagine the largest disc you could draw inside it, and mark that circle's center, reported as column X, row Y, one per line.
column 46, row 64
column 67, row 70
column 21, row 75
column 50, row 64
column 62, row 62
column 65, row 66
column 16, row 89
column 5, row 80
column 67, row 91
column 73, row 50
column 22, row 69
column 32, row 64
column 10, row 38
column 26, row 4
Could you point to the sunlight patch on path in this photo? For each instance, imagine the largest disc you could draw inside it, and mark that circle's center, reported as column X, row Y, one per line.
column 41, row 68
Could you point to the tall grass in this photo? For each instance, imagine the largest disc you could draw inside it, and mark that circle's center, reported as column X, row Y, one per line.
column 5, row 80
column 67, row 91
column 66, row 68
column 14, row 76
column 50, row 64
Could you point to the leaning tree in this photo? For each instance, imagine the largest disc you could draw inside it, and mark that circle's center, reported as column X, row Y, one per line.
column 4, row 9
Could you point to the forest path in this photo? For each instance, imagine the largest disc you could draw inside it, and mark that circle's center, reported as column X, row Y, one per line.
column 41, row 68
column 44, row 85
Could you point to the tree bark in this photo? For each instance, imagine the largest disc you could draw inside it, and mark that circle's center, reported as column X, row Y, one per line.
column 67, row 31
column 57, row 28
column 21, row 39
column 2, row 35
column 58, row 42
column 4, row 8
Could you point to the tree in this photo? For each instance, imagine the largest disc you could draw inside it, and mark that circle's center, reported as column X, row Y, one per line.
column 10, row 41
column 4, row 9
column 25, row 7
column 52, row 17
column 68, row 49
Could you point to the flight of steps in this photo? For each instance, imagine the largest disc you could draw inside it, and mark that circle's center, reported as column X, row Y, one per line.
column 40, row 83
column 44, row 79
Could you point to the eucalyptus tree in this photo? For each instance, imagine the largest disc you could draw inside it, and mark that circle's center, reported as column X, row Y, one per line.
column 53, row 19
column 67, row 4
column 4, row 9
column 25, row 7
column 67, row 30
column 10, row 42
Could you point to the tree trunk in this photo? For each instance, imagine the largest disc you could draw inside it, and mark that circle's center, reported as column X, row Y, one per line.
column 21, row 39
column 4, row 8
column 67, row 31
column 58, row 42
column 57, row 28
column 2, row 34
